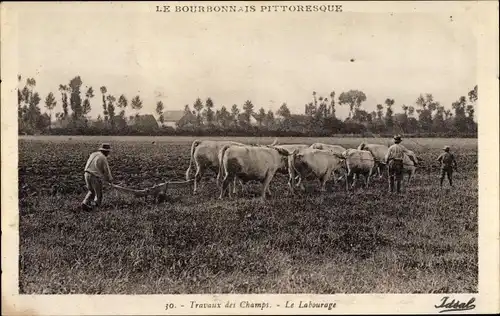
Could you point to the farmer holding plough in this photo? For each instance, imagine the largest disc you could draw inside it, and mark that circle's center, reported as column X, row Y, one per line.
column 96, row 171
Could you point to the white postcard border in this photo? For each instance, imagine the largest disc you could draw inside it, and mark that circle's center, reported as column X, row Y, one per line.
column 485, row 16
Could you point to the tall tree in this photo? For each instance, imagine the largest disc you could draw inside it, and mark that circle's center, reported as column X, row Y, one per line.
column 322, row 109
column 269, row 120
column 159, row 111
column 198, row 106
column 260, row 117
column 473, row 96
column 332, row 104
column 209, row 112
column 438, row 121
column 354, row 98
column 50, row 104
column 89, row 94
column 284, row 111
column 104, row 106
column 380, row 113
column 389, row 122
column 64, row 99
column 224, row 117
column 460, row 121
column 75, row 99
column 136, row 104
column 235, row 112
column 111, row 110
column 122, row 104
column 248, row 111
column 428, row 105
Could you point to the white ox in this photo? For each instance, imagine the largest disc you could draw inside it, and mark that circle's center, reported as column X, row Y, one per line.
column 290, row 148
column 378, row 151
column 335, row 149
column 358, row 162
column 205, row 154
column 317, row 162
column 249, row 163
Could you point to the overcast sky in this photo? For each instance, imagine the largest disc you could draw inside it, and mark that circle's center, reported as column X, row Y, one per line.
column 267, row 58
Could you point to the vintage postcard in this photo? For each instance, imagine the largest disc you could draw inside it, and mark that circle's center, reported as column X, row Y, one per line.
column 258, row 157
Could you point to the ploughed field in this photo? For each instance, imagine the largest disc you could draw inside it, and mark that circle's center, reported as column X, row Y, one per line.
column 365, row 241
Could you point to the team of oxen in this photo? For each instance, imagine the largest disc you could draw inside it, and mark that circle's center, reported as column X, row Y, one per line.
column 235, row 162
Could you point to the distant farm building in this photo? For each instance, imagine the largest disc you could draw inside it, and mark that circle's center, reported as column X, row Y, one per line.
column 178, row 118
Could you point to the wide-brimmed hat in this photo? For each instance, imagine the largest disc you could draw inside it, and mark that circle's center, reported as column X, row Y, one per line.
column 446, row 148
column 397, row 138
column 105, row 147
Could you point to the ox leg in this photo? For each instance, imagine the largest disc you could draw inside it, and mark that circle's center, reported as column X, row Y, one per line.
column 368, row 176
column 234, row 185
column 410, row 177
column 197, row 178
column 381, row 169
column 299, row 181
column 217, row 180
column 348, row 179
column 240, row 182
column 367, row 179
column 265, row 186
column 225, row 184
column 290, row 186
column 355, row 179
column 323, row 181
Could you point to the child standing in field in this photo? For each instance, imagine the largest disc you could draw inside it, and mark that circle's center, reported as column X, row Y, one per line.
column 448, row 163
column 96, row 171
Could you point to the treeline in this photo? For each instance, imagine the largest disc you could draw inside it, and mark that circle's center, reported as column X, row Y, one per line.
column 425, row 118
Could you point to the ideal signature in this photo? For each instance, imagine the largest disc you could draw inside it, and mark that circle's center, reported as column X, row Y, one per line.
column 455, row 305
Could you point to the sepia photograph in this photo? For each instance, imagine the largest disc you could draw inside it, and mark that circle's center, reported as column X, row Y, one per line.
column 250, row 148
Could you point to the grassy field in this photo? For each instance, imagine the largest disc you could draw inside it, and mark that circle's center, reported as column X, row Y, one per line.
column 366, row 241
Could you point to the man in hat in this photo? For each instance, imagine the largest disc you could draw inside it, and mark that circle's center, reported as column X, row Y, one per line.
column 394, row 160
column 96, row 171
column 448, row 163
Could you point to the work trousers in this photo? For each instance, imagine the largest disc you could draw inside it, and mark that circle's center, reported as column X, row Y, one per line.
column 94, row 186
column 447, row 172
column 395, row 174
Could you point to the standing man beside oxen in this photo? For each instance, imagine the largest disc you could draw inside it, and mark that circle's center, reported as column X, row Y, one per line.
column 394, row 159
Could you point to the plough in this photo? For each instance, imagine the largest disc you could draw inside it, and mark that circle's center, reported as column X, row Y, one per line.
column 158, row 191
